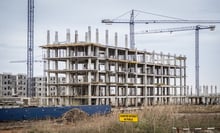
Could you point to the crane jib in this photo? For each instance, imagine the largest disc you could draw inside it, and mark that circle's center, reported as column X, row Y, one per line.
column 160, row 21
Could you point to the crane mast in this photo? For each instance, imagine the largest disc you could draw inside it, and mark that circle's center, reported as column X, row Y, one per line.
column 30, row 48
column 196, row 28
column 197, row 59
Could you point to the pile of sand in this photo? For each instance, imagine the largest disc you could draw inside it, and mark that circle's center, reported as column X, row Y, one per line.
column 74, row 115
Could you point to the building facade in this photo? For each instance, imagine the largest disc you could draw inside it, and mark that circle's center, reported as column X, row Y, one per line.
column 7, row 85
column 21, row 85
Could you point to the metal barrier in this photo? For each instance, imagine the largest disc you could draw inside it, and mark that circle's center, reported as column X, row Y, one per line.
column 33, row 113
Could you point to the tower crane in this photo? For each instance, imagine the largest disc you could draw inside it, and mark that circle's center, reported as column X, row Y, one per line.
column 30, row 48
column 132, row 22
column 196, row 28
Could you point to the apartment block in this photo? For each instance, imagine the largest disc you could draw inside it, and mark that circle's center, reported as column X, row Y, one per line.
column 21, row 86
column 40, row 86
column 95, row 74
column 7, row 84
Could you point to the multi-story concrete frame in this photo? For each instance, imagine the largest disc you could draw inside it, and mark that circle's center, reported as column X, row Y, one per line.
column 101, row 74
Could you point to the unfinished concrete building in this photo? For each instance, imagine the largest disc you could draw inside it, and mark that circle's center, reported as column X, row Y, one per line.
column 95, row 74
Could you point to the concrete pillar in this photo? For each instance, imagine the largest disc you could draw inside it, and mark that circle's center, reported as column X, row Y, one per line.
column 89, row 77
column 67, row 74
column 68, row 35
column 97, row 94
column 184, row 74
column 76, row 36
column 56, row 38
column 86, row 36
column 116, row 96
column 145, row 95
column 116, row 39
column 191, row 90
column 48, row 37
column 90, row 95
column 126, row 94
column 187, row 91
column 207, row 90
column 48, row 76
column 106, row 37
column 126, row 41
column 89, row 34
column 175, row 88
column 97, row 35
column 204, row 91
column 107, row 94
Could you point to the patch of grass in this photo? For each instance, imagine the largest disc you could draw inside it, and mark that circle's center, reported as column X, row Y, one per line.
column 153, row 119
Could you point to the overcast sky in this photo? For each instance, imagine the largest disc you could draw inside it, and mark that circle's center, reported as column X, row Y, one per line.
column 58, row 15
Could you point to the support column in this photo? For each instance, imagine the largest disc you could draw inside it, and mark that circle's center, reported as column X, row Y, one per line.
column 106, row 37
column 48, row 77
column 97, row 36
column 175, row 87
column 67, row 93
column 56, row 38
column 56, row 74
column 116, row 39
column 89, row 77
column 48, row 37
column 126, row 41
column 68, row 35
column 76, row 36
column 89, row 34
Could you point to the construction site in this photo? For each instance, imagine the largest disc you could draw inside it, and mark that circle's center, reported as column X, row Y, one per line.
column 109, row 79
column 82, row 72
